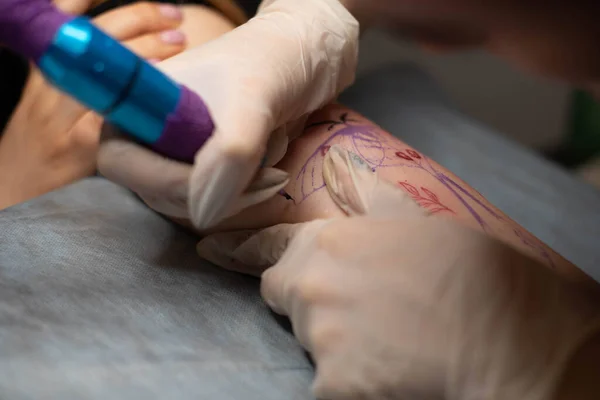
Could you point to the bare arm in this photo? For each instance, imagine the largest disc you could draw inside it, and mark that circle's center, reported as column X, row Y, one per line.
column 428, row 183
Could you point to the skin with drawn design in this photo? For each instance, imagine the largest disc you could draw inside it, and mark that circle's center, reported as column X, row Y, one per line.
column 425, row 198
column 384, row 152
column 429, row 184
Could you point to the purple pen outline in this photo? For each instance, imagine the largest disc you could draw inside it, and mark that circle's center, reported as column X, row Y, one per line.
column 367, row 133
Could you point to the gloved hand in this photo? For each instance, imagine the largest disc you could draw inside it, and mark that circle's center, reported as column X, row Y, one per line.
column 258, row 81
column 394, row 303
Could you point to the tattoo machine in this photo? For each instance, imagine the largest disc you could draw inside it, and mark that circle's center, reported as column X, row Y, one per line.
column 99, row 72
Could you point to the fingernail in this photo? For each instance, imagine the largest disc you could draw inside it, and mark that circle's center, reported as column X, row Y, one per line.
column 347, row 177
column 344, row 160
column 171, row 11
column 173, row 37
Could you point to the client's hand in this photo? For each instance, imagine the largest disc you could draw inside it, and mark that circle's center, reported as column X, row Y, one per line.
column 50, row 133
column 257, row 81
column 397, row 303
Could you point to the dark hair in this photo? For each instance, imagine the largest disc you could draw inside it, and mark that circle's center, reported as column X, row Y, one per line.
column 14, row 71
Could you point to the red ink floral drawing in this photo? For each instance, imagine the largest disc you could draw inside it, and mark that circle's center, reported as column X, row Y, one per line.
column 413, row 153
column 403, row 155
column 427, row 199
column 408, row 155
column 366, row 141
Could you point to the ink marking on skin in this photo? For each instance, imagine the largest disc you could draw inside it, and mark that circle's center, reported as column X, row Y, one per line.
column 357, row 160
column 428, row 200
column 529, row 240
column 403, row 156
column 413, row 153
column 286, row 195
column 358, row 136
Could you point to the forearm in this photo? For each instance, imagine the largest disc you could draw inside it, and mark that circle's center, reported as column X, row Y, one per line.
column 428, row 183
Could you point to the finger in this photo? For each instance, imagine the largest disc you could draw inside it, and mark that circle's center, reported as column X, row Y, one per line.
column 76, row 7
column 266, row 184
column 357, row 189
column 248, row 251
column 277, row 281
column 61, row 112
column 163, row 183
column 158, row 46
column 138, row 19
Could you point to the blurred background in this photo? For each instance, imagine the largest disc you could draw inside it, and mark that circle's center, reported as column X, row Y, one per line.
column 561, row 123
column 553, row 119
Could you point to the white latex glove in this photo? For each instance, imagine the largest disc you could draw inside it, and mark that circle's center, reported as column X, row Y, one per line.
column 257, row 81
column 395, row 304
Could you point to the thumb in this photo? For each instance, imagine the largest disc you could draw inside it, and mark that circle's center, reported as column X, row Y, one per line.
column 249, row 251
column 358, row 190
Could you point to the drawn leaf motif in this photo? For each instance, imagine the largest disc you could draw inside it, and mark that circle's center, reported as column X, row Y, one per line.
column 404, row 156
column 410, row 189
column 413, row 153
column 423, row 202
column 437, row 210
column 430, row 194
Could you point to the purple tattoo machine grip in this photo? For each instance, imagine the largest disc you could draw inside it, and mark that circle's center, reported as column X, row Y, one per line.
column 99, row 72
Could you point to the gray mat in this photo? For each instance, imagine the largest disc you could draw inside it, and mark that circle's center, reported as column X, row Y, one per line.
column 102, row 299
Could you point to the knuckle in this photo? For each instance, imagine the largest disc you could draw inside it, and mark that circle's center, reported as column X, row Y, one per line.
column 324, row 336
column 148, row 47
column 239, row 149
column 144, row 12
column 310, row 288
